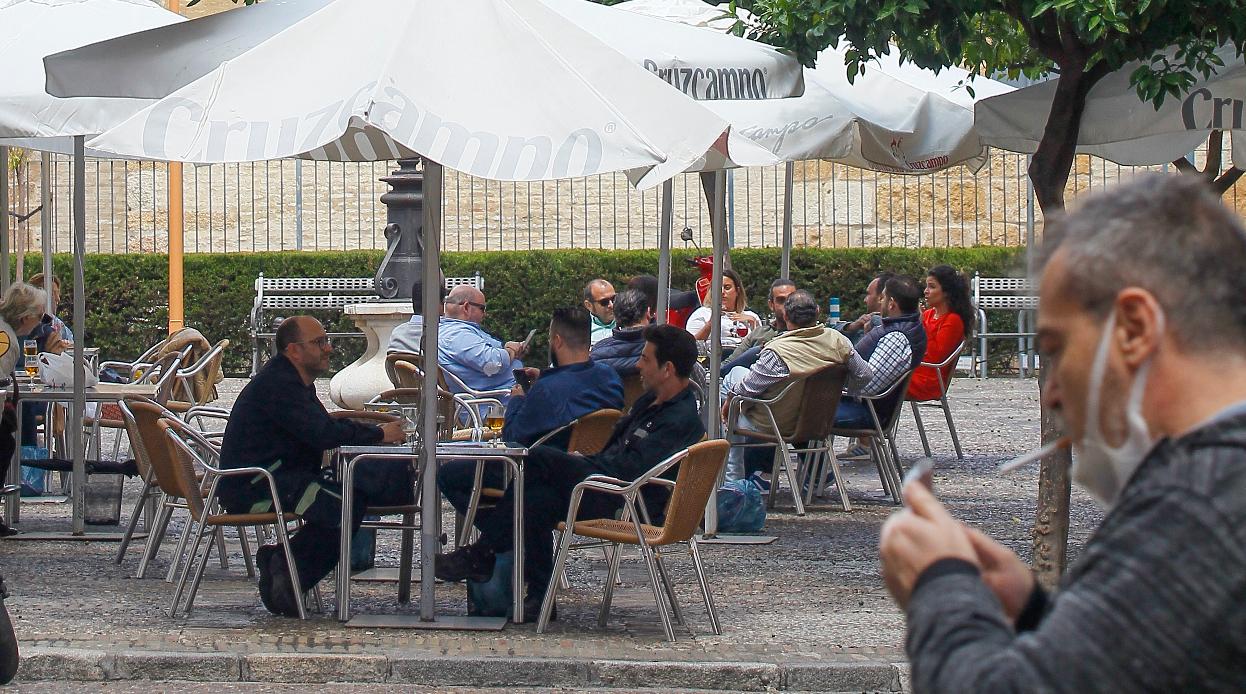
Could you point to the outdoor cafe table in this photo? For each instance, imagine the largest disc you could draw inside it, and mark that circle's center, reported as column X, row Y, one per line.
column 29, row 391
column 349, row 456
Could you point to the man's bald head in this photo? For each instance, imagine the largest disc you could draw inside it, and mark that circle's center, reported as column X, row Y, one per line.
column 465, row 302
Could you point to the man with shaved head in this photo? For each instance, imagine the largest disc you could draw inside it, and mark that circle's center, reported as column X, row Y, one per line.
column 599, row 302
column 479, row 359
column 279, row 424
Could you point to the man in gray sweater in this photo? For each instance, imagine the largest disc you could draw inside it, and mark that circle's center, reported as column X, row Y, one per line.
column 1142, row 325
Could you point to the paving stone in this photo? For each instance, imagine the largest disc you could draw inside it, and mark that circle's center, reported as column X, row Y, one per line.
column 314, row 667
column 165, row 665
column 60, row 664
column 841, row 677
column 747, row 677
column 489, row 672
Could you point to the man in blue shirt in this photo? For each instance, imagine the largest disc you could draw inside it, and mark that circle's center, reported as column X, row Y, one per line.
column 574, row 387
column 478, row 359
column 407, row 337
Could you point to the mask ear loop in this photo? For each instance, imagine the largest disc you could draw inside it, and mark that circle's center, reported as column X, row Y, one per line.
column 1096, row 377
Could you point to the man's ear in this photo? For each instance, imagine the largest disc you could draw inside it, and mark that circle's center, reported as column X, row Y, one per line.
column 1140, row 324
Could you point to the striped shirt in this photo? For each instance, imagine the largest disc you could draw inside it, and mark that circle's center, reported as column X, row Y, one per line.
column 1156, row 602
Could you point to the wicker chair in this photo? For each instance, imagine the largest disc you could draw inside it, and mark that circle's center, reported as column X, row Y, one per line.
column 941, row 403
column 187, row 452
column 697, row 478
column 881, row 436
column 819, row 400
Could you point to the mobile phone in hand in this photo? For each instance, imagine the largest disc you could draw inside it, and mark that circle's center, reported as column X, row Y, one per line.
column 521, row 377
column 527, row 341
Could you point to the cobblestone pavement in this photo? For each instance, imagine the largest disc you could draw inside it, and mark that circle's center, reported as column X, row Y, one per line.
column 812, row 597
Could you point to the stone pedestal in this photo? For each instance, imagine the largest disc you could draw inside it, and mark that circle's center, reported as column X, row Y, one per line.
column 365, row 379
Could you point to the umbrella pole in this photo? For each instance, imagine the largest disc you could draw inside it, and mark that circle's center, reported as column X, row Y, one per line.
column 429, row 508
column 713, row 419
column 4, row 218
column 80, row 307
column 785, row 263
column 45, row 227
column 664, row 250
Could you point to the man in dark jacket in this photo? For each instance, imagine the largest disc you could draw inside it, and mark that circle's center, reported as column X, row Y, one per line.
column 662, row 422
column 1142, row 329
column 621, row 351
column 280, row 425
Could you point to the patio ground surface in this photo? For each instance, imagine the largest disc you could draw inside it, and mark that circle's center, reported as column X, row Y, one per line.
column 808, row 612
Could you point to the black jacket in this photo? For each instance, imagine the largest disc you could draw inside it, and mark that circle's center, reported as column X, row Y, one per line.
column 279, row 418
column 621, row 351
column 650, row 434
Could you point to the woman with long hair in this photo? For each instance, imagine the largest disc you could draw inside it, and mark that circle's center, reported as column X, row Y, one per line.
column 737, row 320
column 948, row 320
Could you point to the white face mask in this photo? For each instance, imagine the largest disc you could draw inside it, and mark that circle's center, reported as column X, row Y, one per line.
column 1100, row 468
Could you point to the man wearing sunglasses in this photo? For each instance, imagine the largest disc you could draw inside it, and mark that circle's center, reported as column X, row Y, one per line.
column 479, row 359
column 599, row 300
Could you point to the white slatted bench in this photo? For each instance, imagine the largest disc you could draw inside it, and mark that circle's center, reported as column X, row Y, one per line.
column 290, row 295
column 1015, row 294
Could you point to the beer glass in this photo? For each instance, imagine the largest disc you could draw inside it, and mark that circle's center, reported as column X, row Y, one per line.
column 30, row 353
column 495, row 418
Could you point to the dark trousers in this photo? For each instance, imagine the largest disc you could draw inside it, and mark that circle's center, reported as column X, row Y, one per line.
column 456, row 478
column 549, row 477
column 746, row 359
column 318, row 500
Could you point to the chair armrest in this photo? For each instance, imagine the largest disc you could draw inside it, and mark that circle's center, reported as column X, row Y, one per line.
column 552, row 433
column 607, row 479
column 955, row 354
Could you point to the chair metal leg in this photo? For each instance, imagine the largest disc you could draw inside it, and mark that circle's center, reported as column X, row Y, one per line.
column 839, row 478
column 656, row 583
column 551, row 592
column 154, row 538
column 177, row 552
column 246, row 551
column 134, row 516
column 921, row 429
column 670, row 587
column 191, row 565
column 705, row 586
column 198, row 579
column 283, row 537
column 951, row 427
column 783, row 449
column 612, row 579
column 406, row 550
column 469, row 518
column 220, row 545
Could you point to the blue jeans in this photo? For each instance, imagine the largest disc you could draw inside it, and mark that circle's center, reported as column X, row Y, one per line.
column 853, row 414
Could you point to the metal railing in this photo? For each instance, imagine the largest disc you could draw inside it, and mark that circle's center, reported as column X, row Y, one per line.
column 305, row 205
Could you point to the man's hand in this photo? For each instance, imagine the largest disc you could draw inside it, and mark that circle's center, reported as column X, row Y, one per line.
column 391, row 432
column 726, row 406
column 517, row 350
column 917, row 537
column 862, row 321
column 1003, row 572
column 56, row 345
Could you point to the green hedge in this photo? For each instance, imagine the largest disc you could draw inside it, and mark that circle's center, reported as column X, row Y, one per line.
column 128, row 304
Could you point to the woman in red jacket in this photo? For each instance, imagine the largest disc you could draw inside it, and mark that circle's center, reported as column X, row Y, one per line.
column 947, row 319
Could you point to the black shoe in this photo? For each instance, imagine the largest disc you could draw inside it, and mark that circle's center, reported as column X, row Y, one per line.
column 281, row 597
column 471, row 562
column 6, row 531
column 263, row 556
column 532, row 609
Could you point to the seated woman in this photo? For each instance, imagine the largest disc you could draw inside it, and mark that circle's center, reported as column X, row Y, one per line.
column 737, row 320
column 947, row 320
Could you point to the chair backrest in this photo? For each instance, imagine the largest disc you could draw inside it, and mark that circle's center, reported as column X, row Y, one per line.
column 182, row 460
column 414, row 397
column 894, row 397
column 198, row 381
column 592, row 431
column 819, row 400
column 401, row 367
column 633, row 388
column 137, row 447
column 147, row 416
column 696, row 480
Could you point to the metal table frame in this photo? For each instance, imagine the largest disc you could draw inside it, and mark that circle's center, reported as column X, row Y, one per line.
column 40, row 393
column 429, row 513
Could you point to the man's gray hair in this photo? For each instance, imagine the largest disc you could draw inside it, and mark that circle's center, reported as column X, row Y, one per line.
column 1169, row 235
column 801, row 309
column 631, row 308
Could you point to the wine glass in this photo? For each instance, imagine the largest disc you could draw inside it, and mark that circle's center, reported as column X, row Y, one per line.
column 494, row 419
column 410, row 423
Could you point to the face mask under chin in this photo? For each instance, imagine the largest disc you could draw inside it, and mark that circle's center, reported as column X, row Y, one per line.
column 1099, row 467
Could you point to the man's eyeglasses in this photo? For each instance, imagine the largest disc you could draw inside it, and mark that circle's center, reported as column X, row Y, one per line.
column 473, row 303
column 321, row 342
column 604, row 302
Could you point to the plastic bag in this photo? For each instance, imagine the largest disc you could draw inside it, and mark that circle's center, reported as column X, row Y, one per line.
column 740, row 508
column 57, row 370
column 33, row 478
column 494, row 597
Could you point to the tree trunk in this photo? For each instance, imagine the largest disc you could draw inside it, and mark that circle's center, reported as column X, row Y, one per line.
column 1049, row 172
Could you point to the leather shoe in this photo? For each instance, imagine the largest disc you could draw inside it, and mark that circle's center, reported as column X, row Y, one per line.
column 281, row 597
column 470, row 562
column 532, row 609
column 6, row 531
column 263, row 556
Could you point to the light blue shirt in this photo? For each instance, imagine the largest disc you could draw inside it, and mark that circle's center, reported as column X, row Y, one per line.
column 407, row 337
column 475, row 356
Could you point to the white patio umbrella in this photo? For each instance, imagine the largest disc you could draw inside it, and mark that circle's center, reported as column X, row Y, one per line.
column 1117, row 125
column 502, row 89
column 31, row 118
